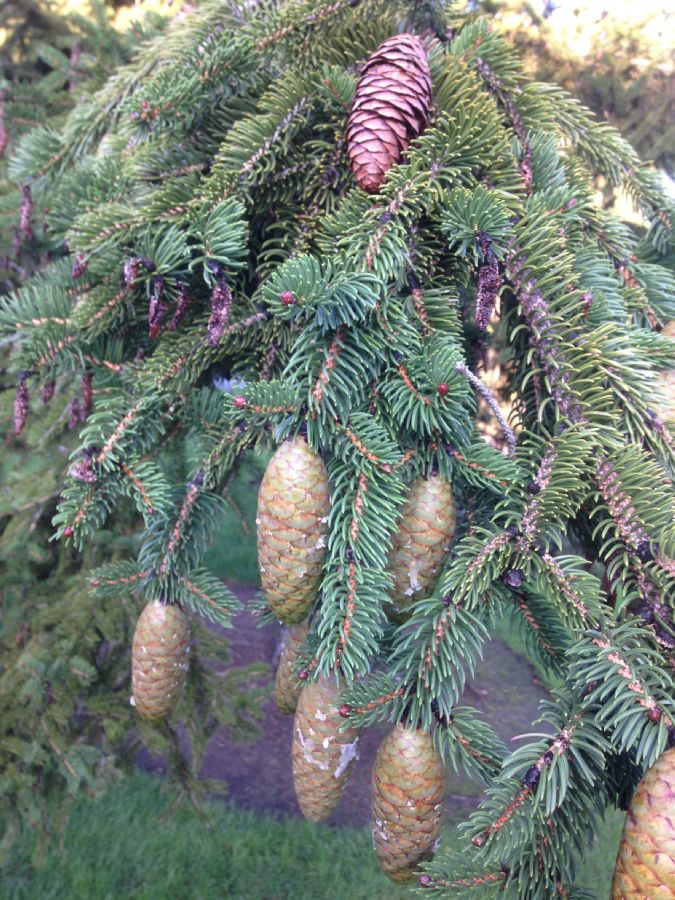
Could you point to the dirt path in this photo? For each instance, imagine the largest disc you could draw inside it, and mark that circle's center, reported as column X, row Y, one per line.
column 259, row 774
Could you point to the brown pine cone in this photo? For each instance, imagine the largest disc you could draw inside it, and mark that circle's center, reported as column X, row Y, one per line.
column 645, row 866
column 390, row 107
column 159, row 659
column 408, row 801
column 293, row 506
column 426, row 529
column 323, row 749
column 287, row 687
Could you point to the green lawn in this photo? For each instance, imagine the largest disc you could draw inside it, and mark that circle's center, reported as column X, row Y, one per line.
column 117, row 847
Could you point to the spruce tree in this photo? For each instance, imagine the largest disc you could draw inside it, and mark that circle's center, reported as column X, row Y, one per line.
column 222, row 211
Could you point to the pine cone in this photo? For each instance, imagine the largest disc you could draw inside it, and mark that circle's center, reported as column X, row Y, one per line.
column 426, row 529
column 390, row 108
column 645, row 866
column 287, row 687
column 159, row 659
column 408, row 793
column 293, row 505
column 323, row 749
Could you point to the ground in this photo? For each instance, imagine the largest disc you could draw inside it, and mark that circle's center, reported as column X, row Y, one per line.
column 258, row 776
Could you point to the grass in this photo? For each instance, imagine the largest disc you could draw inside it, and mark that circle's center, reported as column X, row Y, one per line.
column 118, row 846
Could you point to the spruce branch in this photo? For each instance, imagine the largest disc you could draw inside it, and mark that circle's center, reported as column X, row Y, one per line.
column 487, row 395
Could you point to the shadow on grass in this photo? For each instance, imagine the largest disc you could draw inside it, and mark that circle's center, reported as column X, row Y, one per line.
column 118, row 846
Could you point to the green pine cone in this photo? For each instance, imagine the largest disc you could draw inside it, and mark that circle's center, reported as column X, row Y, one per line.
column 293, row 506
column 159, row 659
column 408, row 801
column 287, row 688
column 419, row 547
column 645, row 866
column 323, row 750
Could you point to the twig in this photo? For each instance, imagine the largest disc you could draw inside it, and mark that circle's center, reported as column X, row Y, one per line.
column 487, row 395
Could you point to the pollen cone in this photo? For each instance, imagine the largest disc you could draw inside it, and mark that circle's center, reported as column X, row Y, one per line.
column 293, row 505
column 323, row 749
column 159, row 659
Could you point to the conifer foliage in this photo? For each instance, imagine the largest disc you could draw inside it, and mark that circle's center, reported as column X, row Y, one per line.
column 204, row 219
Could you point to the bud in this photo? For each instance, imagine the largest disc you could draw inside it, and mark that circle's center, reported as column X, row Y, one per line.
column 425, row 880
column 68, row 531
column 443, row 389
column 531, row 779
column 514, row 578
column 287, row 298
column 346, row 710
column 303, row 674
column 240, row 402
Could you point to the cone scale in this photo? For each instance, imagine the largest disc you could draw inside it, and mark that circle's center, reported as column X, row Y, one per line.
column 293, row 506
column 323, row 749
column 390, row 107
column 419, row 547
column 287, row 687
column 408, row 801
column 645, row 865
column 159, row 659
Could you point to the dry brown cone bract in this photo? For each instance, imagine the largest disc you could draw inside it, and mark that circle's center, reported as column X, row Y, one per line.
column 324, row 749
column 293, row 506
column 419, row 547
column 159, row 659
column 645, row 866
column 390, row 107
column 287, row 687
column 408, row 801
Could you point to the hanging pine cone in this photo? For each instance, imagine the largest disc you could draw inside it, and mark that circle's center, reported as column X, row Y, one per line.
column 390, row 107
column 293, row 505
column 645, row 866
column 426, row 529
column 287, row 686
column 323, row 749
column 159, row 659
column 408, row 794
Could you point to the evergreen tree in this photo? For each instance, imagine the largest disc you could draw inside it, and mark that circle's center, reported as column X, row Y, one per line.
column 209, row 197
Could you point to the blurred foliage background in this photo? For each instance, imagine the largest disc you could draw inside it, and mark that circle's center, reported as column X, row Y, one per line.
column 617, row 58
